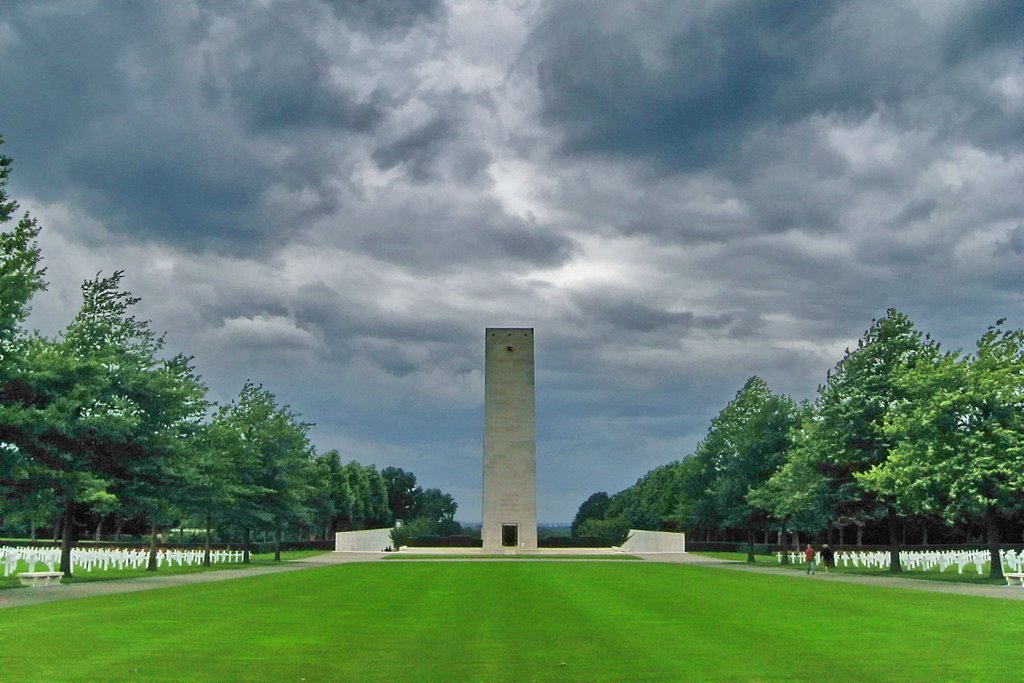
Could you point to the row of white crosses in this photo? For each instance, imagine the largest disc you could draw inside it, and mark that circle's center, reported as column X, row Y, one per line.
column 88, row 559
column 923, row 559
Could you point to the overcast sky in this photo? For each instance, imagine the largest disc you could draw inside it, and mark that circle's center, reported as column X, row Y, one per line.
column 336, row 198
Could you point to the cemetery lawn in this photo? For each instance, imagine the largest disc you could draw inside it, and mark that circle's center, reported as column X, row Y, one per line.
column 516, row 621
column 97, row 574
column 951, row 575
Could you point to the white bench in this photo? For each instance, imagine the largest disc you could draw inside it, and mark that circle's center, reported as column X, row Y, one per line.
column 40, row 578
column 1014, row 579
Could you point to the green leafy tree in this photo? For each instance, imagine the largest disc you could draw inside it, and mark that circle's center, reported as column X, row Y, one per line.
column 959, row 437
column 338, row 490
column 594, row 507
column 146, row 408
column 21, row 271
column 369, row 496
column 22, row 492
column 268, row 446
column 403, row 493
column 695, row 509
column 846, row 435
column 745, row 445
column 321, row 501
column 797, row 494
column 612, row 530
column 84, row 409
column 436, row 505
column 652, row 502
column 212, row 485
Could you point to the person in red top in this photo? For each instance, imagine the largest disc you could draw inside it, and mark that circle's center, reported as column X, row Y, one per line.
column 809, row 558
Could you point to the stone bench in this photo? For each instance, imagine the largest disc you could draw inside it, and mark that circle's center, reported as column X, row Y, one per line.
column 1014, row 579
column 40, row 578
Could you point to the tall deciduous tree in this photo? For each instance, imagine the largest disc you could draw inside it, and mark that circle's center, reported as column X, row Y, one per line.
column 746, row 443
column 21, row 271
column 436, row 505
column 593, row 507
column 80, row 413
column 21, row 276
column 959, row 437
column 403, row 492
column 268, row 446
column 847, row 433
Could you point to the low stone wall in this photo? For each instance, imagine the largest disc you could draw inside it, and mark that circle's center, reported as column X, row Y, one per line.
column 368, row 540
column 638, row 541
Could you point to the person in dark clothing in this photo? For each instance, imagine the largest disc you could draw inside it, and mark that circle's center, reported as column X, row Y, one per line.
column 828, row 558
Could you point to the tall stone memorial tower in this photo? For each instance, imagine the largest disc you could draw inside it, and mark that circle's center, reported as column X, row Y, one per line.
column 510, row 452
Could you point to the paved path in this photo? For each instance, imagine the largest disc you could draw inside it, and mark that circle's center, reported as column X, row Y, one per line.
column 979, row 590
column 16, row 597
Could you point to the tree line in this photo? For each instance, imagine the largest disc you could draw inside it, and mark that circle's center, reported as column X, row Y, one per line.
column 99, row 424
column 900, row 434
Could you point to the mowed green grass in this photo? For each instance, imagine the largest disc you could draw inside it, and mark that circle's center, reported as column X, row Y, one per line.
column 516, row 621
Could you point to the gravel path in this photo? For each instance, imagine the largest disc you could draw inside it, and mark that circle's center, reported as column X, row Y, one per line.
column 979, row 590
column 17, row 597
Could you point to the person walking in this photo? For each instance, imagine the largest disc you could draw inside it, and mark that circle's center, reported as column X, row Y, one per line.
column 828, row 558
column 809, row 558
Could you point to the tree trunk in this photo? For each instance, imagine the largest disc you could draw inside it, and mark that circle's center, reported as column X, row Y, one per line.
column 118, row 529
column 99, row 530
column 782, row 545
column 206, row 545
column 246, row 541
column 32, row 530
column 750, row 545
column 924, row 535
column 860, row 534
column 277, row 545
column 894, row 543
column 152, row 548
column 67, row 539
column 796, row 540
column 842, row 534
column 995, row 570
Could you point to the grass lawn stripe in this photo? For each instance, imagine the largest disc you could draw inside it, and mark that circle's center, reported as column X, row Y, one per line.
column 516, row 621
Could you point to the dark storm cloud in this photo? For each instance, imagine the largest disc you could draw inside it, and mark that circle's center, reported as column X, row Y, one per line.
column 427, row 232
column 677, row 81
column 279, row 79
column 980, row 27
column 684, row 84
column 417, row 149
column 61, row 73
column 195, row 126
column 1015, row 243
column 625, row 314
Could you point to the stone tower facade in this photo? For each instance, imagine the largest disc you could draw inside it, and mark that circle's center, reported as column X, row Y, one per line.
column 510, row 452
